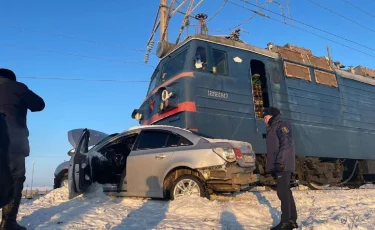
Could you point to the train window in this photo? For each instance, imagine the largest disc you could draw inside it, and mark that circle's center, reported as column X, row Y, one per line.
column 200, row 61
column 220, row 62
column 154, row 79
column 259, row 87
column 173, row 66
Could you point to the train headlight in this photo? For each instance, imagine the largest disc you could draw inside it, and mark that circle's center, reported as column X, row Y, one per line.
column 138, row 116
column 161, row 107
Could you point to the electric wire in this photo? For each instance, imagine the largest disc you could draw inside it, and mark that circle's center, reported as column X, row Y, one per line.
column 308, row 25
column 76, row 55
column 358, row 8
column 69, row 37
column 317, row 35
column 85, row 79
column 218, row 11
column 249, row 19
column 343, row 16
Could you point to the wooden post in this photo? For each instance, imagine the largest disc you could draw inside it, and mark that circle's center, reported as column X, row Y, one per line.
column 163, row 20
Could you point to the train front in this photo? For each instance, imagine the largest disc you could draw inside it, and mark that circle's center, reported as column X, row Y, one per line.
column 169, row 98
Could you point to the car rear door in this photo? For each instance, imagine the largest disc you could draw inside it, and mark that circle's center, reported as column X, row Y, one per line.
column 79, row 174
column 147, row 163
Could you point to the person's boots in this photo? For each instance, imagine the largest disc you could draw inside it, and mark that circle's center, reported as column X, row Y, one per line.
column 293, row 224
column 282, row 226
column 9, row 217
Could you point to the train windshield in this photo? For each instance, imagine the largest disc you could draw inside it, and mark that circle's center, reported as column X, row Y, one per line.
column 167, row 69
column 154, row 79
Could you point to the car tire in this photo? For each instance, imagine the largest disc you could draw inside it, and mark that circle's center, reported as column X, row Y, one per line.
column 196, row 187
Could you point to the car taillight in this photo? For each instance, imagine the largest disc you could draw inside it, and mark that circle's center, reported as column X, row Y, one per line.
column 228, row 154
column 238, row 153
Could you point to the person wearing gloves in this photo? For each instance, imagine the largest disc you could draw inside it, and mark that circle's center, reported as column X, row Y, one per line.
column 281, row 163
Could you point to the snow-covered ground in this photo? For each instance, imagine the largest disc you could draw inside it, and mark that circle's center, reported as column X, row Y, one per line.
column 330, row 209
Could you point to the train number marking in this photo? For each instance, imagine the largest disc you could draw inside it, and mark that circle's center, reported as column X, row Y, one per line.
column 217, row 94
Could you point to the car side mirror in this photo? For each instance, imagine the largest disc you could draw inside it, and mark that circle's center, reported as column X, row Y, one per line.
column 71, row 152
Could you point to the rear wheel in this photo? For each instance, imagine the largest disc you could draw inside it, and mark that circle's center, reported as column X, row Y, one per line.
column 187, row 185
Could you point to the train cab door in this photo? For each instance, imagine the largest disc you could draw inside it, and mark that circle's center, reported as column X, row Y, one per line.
column 261, row 93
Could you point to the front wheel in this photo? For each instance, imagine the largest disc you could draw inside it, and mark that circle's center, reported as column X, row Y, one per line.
column 187, row 185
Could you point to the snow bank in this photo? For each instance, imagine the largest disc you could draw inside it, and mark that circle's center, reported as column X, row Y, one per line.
column 331, row 209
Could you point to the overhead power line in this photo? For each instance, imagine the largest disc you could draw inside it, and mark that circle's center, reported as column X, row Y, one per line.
column 317, row 35
column 69, row 37
column 311, row 26
column 255, row 14
column 76, row 55
column 85, row 79
column 358, row 8
column 343, row 16
column 218, row 11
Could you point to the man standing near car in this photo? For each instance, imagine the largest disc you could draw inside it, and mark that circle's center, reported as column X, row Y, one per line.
column 6, row 179
column 281, row 163
column 15, row 99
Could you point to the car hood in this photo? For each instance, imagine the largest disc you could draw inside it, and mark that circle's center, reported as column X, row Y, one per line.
column 95, row 136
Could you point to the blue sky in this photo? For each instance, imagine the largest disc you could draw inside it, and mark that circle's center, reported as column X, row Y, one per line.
column 124, row 26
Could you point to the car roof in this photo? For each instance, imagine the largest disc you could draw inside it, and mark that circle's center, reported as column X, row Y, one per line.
column 165, row 127
column 183, row 132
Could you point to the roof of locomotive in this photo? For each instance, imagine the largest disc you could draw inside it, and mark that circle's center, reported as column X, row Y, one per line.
column 288, row 52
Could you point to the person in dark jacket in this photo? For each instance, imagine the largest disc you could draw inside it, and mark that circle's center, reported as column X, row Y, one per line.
column 281, row 163
column 6, row 179
column 15, row 99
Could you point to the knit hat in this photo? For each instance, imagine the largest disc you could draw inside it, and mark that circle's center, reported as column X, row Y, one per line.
column 272, row 111
column 7, row 73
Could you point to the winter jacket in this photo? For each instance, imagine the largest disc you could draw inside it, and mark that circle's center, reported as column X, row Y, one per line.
column 6, row 179
column 280, row 145
column 15, row 100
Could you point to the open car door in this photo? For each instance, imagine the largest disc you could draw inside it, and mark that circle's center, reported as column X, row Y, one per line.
column 79, row 171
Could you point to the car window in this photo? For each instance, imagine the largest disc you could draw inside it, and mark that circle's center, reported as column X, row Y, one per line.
column 176, row 140
column 152, row 140
column 122, row 143
column 106, row 138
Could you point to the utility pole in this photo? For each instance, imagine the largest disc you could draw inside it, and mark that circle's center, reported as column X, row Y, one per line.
column 163, row 20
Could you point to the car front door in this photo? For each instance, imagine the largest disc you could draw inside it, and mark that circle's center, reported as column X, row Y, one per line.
column 79, row 174
column 147, row 163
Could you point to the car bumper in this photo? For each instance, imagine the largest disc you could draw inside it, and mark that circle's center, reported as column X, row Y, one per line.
column 229, row 179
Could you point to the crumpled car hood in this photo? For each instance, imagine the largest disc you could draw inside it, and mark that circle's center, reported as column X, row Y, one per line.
column 95, row 136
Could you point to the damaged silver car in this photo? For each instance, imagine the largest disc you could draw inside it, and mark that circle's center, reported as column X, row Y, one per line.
column 161, row 162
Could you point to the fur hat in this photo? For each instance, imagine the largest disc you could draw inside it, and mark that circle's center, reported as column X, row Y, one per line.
column 272, row 111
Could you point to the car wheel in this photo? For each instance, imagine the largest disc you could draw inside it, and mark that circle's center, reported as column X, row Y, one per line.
column 187, row 185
